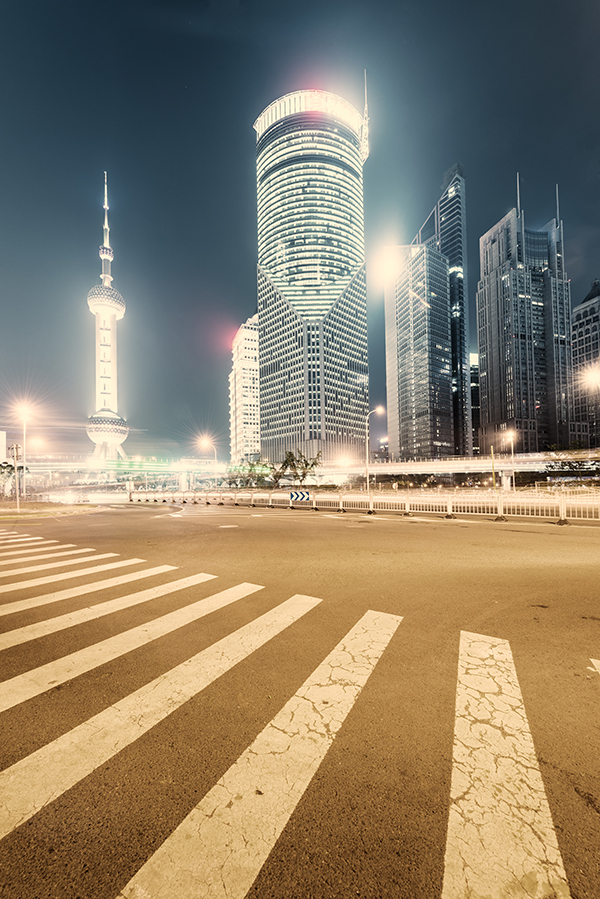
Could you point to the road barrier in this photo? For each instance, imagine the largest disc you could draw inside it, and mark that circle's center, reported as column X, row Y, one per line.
column 499, row 504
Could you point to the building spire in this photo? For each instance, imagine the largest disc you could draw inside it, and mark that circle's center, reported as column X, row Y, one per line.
column 518, row 195
column 364, row 130
column 557, row 208
column 106, row 253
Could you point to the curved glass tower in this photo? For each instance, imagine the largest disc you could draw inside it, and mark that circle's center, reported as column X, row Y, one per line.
column 311, row 146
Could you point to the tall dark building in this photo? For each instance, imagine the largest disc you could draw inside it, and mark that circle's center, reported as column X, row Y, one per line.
column 524, row 336
column 475, row 409
column 586, row 363
column 418, row 354
column 446, row 230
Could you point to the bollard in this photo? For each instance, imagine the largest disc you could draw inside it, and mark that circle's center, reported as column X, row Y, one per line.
column 562, row 509
column 500, row 516
column 449, row 512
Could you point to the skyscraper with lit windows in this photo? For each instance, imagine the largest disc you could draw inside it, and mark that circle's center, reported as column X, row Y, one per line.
column 244, row 420
column 418, row 354
column 446, row 229
column 312, row 317
column 524, row 337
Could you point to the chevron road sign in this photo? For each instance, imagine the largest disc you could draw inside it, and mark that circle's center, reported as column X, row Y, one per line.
column 297, row 496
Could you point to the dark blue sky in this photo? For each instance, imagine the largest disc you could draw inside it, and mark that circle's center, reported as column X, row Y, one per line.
column 163, row 95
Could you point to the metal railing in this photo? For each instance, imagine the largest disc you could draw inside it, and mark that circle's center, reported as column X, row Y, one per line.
column 499, row 504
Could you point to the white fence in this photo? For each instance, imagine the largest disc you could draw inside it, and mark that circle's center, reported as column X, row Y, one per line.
column 499, row 504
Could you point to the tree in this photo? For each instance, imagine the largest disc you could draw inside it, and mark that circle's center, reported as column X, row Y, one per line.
column 7, row 471
column 304, row 466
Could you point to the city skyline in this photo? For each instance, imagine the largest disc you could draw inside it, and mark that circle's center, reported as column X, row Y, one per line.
column 180, row 85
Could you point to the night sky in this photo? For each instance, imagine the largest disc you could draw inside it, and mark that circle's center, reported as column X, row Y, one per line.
column 163, row 95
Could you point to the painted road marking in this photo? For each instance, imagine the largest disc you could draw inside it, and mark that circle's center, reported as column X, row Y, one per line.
column 32, row 683
column 46, row 598
column 53, row 555
column 40, row 547
column 24, row 538
column 228, row 525
column 29, row 785
column 61, row 622
column 219, row 848
column 66, row 575
column 501, row 839
column 596, row 664
column 65, row 562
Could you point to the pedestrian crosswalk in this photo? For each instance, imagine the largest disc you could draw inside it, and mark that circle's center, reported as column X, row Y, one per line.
column 501, row 840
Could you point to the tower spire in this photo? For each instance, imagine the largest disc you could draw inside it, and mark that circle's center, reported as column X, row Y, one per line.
column 518, row 195
column 106, row 253
column 364, row 130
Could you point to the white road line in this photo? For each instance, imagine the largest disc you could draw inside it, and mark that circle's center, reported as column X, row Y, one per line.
column 63, row 564
column 38, row 548
column 66, row 575
column 32, row 683
column 596, row 664
column 9, row 541
column 46, row 598
column 218, row 850
column 46, row 774
column 90, row 613
column 501, row 839
column 52, row 555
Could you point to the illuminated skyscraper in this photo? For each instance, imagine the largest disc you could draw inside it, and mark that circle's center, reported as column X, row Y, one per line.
column 524, row 335
column 446, row 230
column 244, row 421
column 105, row 427
column 311, row 146
column 418, row 354
column 586, row 363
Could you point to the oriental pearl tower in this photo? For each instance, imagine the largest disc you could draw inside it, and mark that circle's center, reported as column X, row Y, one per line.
column 105, row 427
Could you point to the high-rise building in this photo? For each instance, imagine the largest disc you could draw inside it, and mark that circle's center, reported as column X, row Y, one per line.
column 244, row 418
column 524, row 335
column 312, row 316
column 446, row 229
column 586, row 363
column 418, row 354
column 105, row 427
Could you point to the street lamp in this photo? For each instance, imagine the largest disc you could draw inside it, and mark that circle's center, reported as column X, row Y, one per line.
column 23, row 410
column 511, row 437
column 206, row 443
column 379, row 410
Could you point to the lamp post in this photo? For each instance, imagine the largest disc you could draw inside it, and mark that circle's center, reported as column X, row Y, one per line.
column 23, row 410
column 206, row 443
column 511, row 437
column 379, row 410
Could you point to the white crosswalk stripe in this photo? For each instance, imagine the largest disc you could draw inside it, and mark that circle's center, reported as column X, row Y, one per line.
column 22, row 539
column 501, row 839
column 53, row 578
column 53, row 555
column 223, row 843
column 32, row 683
column 90, row 613
column 45, row 567
column 37, row 780
column 40, row 547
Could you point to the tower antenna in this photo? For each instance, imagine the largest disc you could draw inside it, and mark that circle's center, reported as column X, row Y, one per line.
column 364, row 131
column 518, row 195
column 557, row 207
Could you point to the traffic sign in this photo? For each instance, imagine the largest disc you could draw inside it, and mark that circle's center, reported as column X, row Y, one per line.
column 299, row 496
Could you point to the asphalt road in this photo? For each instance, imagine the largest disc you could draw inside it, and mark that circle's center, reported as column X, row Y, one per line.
column 367, row 707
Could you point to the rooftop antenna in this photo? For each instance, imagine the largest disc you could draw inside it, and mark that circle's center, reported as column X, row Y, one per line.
column 518, row 195
column 106, row 228
column 364, row 131
column 557, row 207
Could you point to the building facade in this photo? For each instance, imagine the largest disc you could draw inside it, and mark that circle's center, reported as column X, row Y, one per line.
column 446, row 230
column 586, row 363
column 312, row 317
column 106, row 428
column 524, row 337
column 244, row 417
column 475, row 417
column 419, row 354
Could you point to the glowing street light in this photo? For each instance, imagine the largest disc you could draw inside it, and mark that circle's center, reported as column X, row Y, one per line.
column 206, row 443
column 510, row 435
column 378, row 410
column 23, row 410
